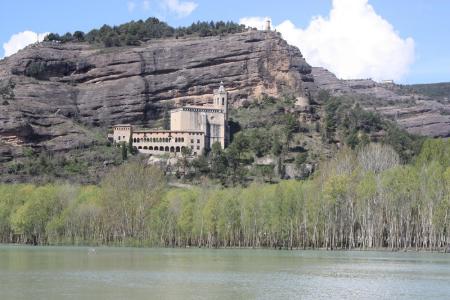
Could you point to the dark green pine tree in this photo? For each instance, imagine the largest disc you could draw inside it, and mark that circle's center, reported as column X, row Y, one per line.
column 130, row 145
column 124, row 151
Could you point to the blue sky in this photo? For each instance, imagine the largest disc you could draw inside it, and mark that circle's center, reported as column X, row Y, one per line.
column 417, row 37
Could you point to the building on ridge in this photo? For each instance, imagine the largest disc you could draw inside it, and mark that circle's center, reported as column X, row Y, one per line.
column 267, row 25
column 196, row 127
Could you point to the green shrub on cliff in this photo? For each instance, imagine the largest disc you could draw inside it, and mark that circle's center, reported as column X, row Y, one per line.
column 134, row 32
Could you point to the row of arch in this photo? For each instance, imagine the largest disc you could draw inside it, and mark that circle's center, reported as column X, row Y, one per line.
column 162, row 148
column 158, row 140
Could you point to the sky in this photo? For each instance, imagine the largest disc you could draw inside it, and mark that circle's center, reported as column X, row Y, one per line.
column 403, row 40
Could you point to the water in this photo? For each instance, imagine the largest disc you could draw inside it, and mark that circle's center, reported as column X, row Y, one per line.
column 126, row 273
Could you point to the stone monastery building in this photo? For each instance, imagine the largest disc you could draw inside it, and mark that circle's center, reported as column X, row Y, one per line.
column 192, row 126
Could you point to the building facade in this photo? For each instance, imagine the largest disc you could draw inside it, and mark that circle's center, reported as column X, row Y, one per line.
column 196, row 127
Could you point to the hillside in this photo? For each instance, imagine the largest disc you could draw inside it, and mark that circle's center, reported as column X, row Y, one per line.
column 420, row 109
column 59, row 97
column 57, row 86
column 438, row 90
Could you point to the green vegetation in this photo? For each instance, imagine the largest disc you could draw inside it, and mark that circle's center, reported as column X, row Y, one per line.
column 271, row 141
column 133, row 33
column 361, row 199
column 6, row 92
column 83, row 165
column 346, row 121
column 436, row 90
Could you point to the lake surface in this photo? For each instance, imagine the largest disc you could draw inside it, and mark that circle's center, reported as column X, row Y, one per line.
column 127, row 273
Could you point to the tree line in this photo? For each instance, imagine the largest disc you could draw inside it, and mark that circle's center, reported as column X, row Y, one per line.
column 134, row 32
column 361, row 199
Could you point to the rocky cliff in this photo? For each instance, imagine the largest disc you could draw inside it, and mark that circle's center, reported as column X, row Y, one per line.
column 52, row 92
column 415, row 112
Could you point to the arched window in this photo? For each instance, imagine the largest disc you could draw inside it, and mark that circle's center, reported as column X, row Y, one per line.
column 172, row 149
column 223, row 101
column 167, row 149
column 161, row 148
column 150, row 148
column 145, row 148
column 134, row 140
column 140, row 147
column 177, row 149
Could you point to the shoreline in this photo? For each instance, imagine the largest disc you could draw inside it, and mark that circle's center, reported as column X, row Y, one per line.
column 408, row 250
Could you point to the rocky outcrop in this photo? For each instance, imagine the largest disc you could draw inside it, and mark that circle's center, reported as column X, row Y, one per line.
column 52, row 94
column 59, row 89
column 414, row 112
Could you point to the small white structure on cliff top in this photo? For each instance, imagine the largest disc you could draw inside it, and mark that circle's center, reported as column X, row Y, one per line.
column 267, row 25
column 196, row 127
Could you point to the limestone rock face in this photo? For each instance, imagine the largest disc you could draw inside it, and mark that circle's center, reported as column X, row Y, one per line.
column 59, row 89
column 414, row 112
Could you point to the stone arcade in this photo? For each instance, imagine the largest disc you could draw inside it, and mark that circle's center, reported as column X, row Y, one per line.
column 196, row 127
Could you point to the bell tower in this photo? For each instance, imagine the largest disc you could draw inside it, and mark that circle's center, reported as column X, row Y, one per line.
column 219, row 119
column 221, row 98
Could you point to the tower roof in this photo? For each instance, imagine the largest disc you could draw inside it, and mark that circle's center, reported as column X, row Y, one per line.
column 221, row 88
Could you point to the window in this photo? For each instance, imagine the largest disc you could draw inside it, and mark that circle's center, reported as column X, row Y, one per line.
column 118, row 138
column 198, row 147
column 192, row 141
column 198, row 141
column 192, row 147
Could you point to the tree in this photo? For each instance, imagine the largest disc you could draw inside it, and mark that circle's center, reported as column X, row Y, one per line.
column 78, row 36
column 277, row 148
column 200, row 165
column 53, row 37
column 266, row 172
column 218, row 161
column 300, row 159
column 186, row 152
column 124, row 149
column 129, row 192
column 290, row 128
column 352, row 139
column 130, row 147
column 377, row 157
column 239, row 145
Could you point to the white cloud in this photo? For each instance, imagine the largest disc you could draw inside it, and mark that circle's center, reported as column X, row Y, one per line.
column 353, row 42
column 180, row 8
column 131, row 6
column 21, row 40
column 146, row 5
